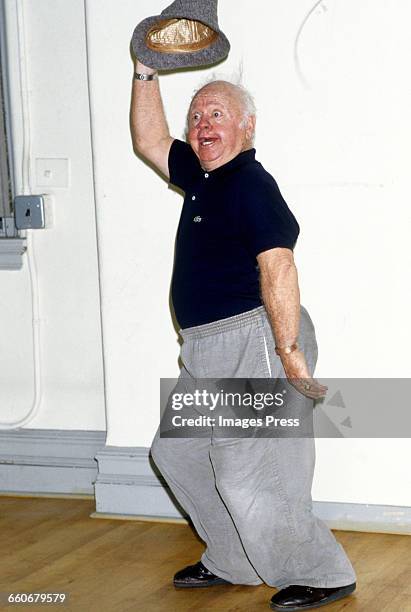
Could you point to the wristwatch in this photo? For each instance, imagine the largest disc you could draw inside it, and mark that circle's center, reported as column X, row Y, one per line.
column 145, row 77
column 286, row 350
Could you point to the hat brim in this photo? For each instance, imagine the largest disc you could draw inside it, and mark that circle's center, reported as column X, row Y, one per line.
column 217, row 51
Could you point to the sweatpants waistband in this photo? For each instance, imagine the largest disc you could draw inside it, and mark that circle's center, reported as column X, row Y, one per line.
column 224, row 325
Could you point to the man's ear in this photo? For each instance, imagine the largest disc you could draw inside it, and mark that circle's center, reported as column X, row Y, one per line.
column 250, row 127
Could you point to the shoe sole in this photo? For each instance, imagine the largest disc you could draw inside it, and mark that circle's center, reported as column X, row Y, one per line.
column 201, row 586
column 324, row 602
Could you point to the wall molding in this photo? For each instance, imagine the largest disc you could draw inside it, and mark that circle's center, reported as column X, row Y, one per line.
column 11, row 252
column 127, row 484
column 42, row 461
column 364, row 517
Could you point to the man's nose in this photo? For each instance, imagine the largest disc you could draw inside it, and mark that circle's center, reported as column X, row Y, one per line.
column 204, row 123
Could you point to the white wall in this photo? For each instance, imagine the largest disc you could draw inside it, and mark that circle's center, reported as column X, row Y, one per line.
column 333, row 128
column 66, row 255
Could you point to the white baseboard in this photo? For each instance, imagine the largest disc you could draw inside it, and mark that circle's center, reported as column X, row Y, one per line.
column 127, row 484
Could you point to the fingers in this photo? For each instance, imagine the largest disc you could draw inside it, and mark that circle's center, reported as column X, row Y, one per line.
column 309, row 387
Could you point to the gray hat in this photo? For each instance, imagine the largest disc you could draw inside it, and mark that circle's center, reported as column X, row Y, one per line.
column 186, row 34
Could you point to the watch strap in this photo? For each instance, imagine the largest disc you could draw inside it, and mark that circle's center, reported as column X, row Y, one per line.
column 286, row 350
column 140, row 76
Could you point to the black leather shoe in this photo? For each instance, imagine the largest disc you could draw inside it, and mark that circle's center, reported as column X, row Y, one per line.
column 195, row 576
column 296, row 597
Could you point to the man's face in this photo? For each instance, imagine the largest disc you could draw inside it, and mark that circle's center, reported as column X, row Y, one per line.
column 214, row 130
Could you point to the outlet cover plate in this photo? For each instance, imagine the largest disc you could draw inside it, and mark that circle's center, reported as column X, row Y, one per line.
column 29, row 212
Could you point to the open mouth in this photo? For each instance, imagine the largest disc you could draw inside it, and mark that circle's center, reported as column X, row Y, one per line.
column 207, row 142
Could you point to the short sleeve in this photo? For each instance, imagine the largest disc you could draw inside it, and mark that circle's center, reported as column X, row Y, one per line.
column 183, row 164
column 267, row 222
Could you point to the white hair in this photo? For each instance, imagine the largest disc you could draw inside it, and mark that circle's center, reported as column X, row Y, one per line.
column 245, row 98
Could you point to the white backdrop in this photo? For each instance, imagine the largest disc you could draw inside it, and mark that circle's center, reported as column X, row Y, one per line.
column 333, row 128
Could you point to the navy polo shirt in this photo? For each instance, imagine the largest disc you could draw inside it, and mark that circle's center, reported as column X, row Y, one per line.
column 229, row 216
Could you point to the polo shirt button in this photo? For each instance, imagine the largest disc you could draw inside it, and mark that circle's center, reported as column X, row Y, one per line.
column 193, row 198
column 206, row 175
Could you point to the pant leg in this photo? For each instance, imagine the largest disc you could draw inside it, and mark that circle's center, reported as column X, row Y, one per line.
column 185, row 465
column 266, row 482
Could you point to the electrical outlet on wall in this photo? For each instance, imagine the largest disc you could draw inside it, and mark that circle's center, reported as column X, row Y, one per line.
column 33, row 211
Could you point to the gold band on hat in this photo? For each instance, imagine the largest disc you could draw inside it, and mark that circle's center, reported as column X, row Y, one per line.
column 179, row 36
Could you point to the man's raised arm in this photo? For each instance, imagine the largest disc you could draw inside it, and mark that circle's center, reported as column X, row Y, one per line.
column 149, row 129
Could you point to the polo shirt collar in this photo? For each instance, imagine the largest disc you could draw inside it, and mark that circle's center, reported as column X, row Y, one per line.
column 245, row 157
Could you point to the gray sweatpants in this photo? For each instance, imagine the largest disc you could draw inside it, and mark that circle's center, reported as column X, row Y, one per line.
column 250, row 498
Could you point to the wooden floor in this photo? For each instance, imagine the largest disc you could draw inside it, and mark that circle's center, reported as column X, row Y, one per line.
column 52, row 545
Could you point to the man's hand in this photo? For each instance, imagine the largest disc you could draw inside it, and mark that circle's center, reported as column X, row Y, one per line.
column 296, row 370
column 139, row 67
column 281, row 296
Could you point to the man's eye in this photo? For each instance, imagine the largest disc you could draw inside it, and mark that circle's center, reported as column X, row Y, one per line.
column 217, row 114
column 196, row 117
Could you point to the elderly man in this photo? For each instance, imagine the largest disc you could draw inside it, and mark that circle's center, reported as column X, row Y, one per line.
column 236, row 298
